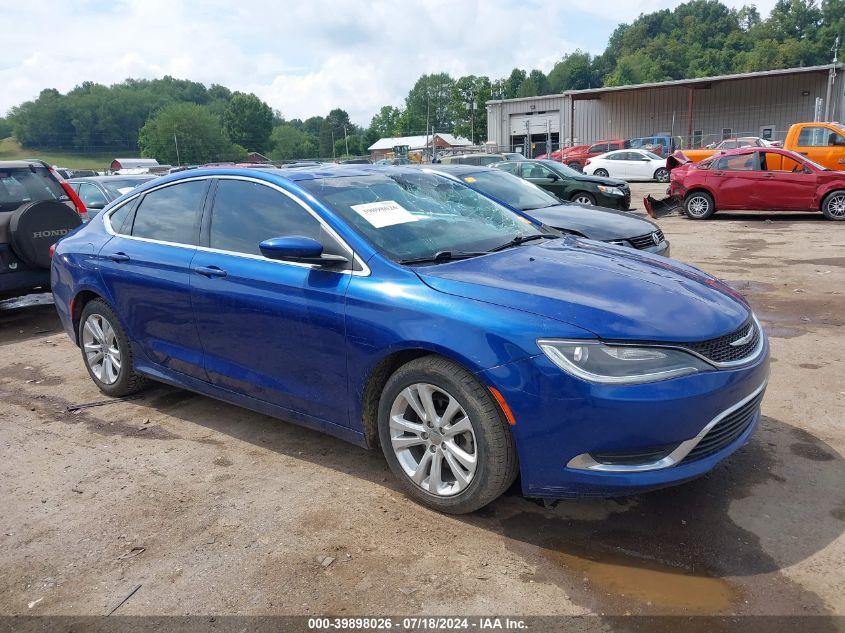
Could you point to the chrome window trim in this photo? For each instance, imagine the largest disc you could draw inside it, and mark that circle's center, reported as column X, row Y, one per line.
column 585, row 461
column 364, row 272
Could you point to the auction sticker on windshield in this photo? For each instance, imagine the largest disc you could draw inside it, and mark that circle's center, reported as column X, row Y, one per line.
column 384, row 213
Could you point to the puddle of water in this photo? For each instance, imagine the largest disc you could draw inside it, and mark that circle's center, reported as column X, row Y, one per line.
column 659, row 588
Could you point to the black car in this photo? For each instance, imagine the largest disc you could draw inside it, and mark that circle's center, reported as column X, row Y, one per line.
column 605, row 225
column 97, row 191
column 568, row 184
column 37, row 207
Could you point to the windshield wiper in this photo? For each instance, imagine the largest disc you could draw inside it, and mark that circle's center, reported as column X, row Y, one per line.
column 441, row 257
column 519, row 239
column 542, row 206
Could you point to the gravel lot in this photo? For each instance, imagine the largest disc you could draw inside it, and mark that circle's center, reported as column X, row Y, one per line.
column 214, row 509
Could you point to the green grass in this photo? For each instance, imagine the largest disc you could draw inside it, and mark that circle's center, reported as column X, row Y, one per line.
column 10, row 149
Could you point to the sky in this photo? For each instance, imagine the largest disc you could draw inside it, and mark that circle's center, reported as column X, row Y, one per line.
column 303, row 58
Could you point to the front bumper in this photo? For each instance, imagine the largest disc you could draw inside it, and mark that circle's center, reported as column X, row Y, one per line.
column 560, row 418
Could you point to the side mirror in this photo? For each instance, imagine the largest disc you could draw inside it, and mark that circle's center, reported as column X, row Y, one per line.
column 98, row 206
column 300, row 249
column 554, row 177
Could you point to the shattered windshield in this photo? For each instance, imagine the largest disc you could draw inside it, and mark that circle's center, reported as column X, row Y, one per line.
column 417, row 215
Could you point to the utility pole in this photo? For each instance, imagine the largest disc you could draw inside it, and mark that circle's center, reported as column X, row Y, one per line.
column 176, row 142
column 345, row 140
column 427, row 115
column 831, row 79
column 332, row 131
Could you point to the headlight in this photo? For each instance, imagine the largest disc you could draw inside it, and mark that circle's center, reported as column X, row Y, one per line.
column 610, row 191
column 620, row 364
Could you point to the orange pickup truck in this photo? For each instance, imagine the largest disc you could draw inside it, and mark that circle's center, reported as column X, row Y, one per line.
column 823, row 143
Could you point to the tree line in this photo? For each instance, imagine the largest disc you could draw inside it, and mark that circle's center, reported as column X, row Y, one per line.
column 696, row 39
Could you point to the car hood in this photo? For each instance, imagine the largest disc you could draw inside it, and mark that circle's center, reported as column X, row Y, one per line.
column 598, row 180
column 593, row 222
column 613, row 292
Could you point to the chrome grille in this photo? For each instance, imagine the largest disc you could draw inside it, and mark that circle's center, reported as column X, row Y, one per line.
column 720, row 350
column 727, row 430
column 646, row 241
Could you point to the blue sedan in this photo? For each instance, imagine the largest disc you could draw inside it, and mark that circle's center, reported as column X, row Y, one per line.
column 398, row 308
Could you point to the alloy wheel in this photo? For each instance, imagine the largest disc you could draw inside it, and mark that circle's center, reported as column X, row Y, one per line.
column 102, row 353
column 662, row 175
column 583, row 200
column 433, row 439
column 698, row 206
column 836, row 206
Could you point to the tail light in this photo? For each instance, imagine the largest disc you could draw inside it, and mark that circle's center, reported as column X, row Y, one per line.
column 77, row 201
column 52, row 250
column 586, row 162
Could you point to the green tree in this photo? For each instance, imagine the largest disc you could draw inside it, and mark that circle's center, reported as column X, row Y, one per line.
column 429, row 100
column 193, row 127
column 536, row 83
column 386, row 122
column 573, row 72
column 326, row 140
column 513, row 82
column 469, row 98
column 248, row 121
column 289, row 143
column 5, row 128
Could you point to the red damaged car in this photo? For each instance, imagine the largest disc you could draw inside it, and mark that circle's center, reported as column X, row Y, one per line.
column 751, row 178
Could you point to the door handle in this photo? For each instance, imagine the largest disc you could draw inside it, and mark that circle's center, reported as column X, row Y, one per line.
column 804, row 153
column 210, row 271
column 768, row 175
column 119, row 257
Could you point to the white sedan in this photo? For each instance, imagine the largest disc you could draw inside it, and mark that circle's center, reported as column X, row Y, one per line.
column 629, row 164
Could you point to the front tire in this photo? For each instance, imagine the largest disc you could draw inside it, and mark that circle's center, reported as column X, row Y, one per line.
column 106, row 351
column 699, row 205
column 662, row 175
column 582, row 197
column 833, row 206
column 603, row 173
column 444, row 436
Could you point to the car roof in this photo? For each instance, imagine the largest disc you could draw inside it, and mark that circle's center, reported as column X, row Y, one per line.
column 290, row 174
column 461, row 170
column 9, row 164
column 144, row 177
column 738, row 151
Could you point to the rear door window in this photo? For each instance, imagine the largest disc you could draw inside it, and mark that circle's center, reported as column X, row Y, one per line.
column 742, row 162
column 171, row 214
column 91, row 196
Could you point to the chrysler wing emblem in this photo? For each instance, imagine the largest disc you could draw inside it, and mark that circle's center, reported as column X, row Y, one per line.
column 744, row 339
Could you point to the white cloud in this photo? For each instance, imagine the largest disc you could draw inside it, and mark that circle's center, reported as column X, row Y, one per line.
column 304, row 58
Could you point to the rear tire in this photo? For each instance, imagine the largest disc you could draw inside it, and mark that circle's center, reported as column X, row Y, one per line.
column 601, row 173
column 106, row 351
column 699, row 205
column 459, row 455
column 575, row 166
column 582, row 197
column 833, row 206
column 661, row 175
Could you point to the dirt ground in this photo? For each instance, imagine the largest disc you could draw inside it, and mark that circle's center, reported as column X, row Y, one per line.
column 214, row 509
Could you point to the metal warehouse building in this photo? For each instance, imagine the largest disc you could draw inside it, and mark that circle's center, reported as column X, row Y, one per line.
column 701, row 111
